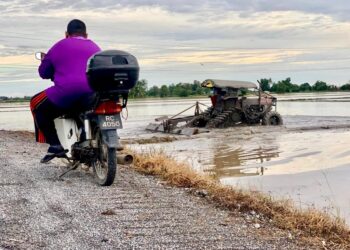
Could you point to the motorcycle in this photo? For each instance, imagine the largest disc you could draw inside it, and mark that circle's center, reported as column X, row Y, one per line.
column 90, row 136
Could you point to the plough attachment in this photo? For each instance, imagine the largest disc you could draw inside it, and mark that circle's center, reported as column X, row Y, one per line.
column 178, row 125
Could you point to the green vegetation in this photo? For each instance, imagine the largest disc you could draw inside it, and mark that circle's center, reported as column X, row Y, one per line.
column 15, row 99
column 141, row 90
column 345, row 87
column 286, row 86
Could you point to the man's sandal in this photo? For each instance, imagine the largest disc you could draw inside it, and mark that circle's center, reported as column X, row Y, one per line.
column 54, row 151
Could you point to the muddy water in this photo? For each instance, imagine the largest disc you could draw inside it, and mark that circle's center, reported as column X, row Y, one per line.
column 311, row 167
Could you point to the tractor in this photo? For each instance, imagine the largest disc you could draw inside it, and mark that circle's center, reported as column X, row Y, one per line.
column 232, row 103
column 236, row 102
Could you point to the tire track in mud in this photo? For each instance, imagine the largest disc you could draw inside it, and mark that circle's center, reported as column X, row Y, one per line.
column 39, row 211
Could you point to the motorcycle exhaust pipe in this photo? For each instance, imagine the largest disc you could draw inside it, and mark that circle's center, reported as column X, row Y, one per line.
column 125, row 159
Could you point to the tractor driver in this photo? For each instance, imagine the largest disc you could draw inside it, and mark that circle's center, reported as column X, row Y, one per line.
column 219, row 99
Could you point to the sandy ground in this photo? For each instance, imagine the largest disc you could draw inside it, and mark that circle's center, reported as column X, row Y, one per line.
column 37, row 210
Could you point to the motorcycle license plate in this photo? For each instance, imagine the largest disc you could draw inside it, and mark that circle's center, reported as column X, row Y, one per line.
column 110, row 121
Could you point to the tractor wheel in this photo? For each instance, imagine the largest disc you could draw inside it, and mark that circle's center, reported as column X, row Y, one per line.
column 272, row 118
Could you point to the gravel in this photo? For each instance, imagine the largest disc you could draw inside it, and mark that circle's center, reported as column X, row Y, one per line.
column 37, row 210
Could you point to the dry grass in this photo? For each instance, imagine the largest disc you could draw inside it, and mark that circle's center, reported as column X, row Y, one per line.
column 308, row 224
column 154, row 139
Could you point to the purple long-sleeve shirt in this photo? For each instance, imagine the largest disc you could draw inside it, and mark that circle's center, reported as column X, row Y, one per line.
column 65, row 63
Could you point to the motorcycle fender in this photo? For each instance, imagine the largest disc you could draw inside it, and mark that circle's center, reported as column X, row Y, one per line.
column 110, row 137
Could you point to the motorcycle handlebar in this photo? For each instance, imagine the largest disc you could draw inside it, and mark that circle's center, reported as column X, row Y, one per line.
column 40, row 55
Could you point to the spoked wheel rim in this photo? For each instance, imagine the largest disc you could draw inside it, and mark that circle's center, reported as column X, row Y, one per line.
column 101, row 164
column 105, row 165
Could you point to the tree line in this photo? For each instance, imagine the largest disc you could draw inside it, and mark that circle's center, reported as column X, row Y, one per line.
column 15, row 99
column 286, row 86
column 141, row 89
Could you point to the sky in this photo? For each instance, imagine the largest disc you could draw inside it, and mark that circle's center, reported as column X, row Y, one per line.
column 183, row 41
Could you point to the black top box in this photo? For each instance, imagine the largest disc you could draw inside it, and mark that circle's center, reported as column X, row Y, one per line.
column 112, row 71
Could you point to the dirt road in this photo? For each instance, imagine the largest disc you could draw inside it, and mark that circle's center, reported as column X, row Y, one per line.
column 37, row 210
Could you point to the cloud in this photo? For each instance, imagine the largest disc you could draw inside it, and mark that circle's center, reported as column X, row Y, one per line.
column 336, row 8
column 240, row 39
column 18, row 59
column 238, row 57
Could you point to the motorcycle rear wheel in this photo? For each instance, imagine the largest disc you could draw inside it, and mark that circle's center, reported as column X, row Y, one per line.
column 105, row 167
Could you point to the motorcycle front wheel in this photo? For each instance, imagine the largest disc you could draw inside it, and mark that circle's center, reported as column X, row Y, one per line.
column 105, row 166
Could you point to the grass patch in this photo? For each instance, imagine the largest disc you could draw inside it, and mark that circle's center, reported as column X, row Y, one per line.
column 154, row 139
column 309, row 224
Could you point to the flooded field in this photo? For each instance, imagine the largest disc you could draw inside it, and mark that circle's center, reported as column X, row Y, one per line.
column 301, row 160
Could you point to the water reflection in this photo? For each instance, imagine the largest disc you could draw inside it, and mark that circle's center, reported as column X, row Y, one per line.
column 238, row 162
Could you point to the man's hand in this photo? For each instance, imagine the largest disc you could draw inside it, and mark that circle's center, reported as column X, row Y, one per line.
column 42, row 55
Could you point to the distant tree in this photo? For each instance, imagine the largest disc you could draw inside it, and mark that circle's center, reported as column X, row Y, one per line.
column 183, row 93
column 305, row 87
column 265, row 84
column 279, row 88
column 171, row 89
column 182, row 90
column 197, row 89
column 140, row 89
column 177, row 90
column 333, row 87
column 188, row 88
column 164, row 91
column 345, row 87
column 284, row 86
column 320, row 86
column 153, row 91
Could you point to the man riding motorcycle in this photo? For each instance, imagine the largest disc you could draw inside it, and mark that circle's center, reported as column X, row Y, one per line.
column 65, row 64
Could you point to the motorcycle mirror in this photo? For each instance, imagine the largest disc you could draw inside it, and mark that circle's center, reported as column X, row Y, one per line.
column 39, row 55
